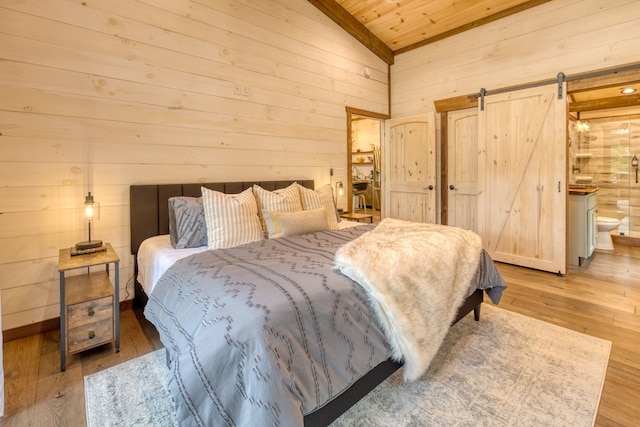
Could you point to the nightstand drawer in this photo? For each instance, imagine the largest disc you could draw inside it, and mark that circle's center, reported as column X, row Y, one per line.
column 90, row 335
column 88, row 312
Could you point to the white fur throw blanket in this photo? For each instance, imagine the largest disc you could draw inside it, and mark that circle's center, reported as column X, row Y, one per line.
column 417, row 276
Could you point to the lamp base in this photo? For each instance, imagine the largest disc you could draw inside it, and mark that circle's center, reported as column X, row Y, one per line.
column 88, row 244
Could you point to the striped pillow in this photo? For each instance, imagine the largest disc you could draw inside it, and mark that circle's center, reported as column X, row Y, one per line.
column 285, row 200
column 232, row 219
column 320, row 198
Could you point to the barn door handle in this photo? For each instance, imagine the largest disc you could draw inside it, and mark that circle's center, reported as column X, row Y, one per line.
column 452, row 187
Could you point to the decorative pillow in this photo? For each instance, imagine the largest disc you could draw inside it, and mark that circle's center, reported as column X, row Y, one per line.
column 283, row 200
column 320, row 198
column 281, row 224
column 187, row 227
column 232, row 219
column 327, row 191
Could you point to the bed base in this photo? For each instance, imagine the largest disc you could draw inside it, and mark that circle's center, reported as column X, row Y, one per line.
column 149, row 217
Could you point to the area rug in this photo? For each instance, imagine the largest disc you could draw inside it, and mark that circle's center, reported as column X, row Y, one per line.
column 505, row 370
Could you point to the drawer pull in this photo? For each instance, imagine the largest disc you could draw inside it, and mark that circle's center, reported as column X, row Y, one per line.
column 92, row 334
column 91, row 311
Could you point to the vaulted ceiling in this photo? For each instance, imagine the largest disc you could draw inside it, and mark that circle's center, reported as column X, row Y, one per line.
column 390, row 27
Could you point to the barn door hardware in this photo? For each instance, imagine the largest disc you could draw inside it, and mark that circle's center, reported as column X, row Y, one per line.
column 560, row 83
column 560, row 79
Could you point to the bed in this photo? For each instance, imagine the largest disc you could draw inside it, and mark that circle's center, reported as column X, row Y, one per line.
column 150, row 219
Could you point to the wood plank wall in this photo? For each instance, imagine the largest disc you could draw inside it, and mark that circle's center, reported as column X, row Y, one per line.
column 570, row 36
column 98, row 95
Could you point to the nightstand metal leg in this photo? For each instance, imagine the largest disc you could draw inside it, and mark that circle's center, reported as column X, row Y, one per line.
column 63, row 350
column 117, row 305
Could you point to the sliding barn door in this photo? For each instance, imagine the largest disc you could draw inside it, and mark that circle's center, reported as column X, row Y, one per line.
column 410, row 168
column 462, row 168
column 522, row 172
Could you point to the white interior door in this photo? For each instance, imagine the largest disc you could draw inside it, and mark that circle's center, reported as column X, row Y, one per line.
column 462, row 168
column 522, row 177
column 410, row 168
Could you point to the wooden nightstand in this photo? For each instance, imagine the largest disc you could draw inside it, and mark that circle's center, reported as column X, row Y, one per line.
column 358, row 217
column 89, row 304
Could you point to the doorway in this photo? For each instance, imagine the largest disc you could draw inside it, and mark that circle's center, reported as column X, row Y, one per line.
column 364, row 161
column 604, row 138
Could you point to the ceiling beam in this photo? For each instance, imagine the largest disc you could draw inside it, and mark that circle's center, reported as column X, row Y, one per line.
column 456, row 103
column 606, row 79
column 599, row 104
column 352, row 26
column 471, row 25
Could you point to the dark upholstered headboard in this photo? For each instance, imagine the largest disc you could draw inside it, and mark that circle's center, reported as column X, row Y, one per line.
column 149, row 204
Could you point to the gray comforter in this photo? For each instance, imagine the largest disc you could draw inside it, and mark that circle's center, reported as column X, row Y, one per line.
column 264, row 333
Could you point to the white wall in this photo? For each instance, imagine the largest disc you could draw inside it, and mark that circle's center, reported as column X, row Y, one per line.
column 569, row 36
column 97, row 96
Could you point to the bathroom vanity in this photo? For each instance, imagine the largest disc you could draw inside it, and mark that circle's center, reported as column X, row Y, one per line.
column 582, row 224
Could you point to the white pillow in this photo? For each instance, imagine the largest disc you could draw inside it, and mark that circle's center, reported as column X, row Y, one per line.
column 283, row 200
column 281, row 224
column 232, row 219
column 320, row 198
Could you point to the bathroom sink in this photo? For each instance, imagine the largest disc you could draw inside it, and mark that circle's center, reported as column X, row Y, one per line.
column 582, row 188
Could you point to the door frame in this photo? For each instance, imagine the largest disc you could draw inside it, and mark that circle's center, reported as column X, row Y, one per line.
column 444, row 106
column 370, row 115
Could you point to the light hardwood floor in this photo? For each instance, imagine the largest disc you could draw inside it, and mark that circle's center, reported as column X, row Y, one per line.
column 601, row 298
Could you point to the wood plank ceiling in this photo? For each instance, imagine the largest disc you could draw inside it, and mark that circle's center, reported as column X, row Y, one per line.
column 390, row 27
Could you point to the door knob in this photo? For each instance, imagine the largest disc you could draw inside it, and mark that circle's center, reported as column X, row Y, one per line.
column 452, row 187
column 430, row 187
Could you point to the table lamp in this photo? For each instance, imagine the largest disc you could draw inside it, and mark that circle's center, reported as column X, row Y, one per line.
column 339, row 193
column 91, row 211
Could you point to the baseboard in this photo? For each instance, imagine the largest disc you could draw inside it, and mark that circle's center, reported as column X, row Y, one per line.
column 45, row 326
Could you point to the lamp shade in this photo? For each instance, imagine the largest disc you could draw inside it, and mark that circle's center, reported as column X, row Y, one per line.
column 91, row 208
column 90, row 212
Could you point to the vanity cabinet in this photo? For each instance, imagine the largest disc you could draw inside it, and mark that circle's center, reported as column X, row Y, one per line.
column 582, row 226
